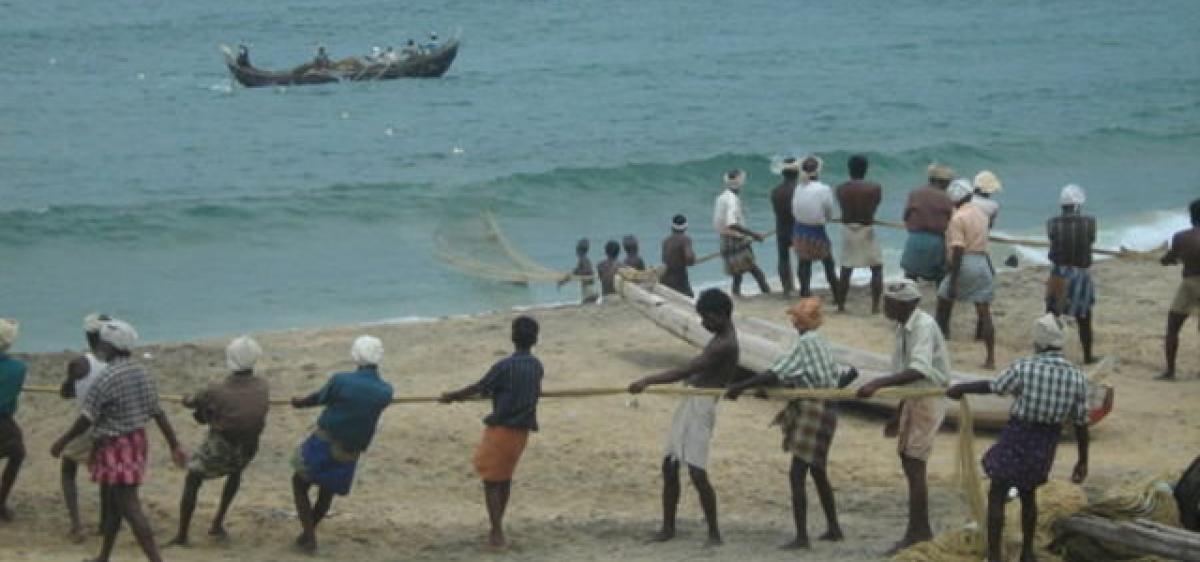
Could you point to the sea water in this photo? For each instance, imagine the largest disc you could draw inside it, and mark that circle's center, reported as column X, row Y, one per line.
column 135, row 179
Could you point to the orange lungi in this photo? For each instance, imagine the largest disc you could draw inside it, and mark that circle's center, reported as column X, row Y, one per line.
column 498, row 452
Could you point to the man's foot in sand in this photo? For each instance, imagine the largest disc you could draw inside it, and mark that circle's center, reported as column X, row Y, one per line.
column 1166, row 376
column 5, row 515
column 77, row 535
column 496, row 541
column 798, row 543
column 903, row 544
column 988, row 365
column 306, row 543
column 1092, row 360
column 713, row 541
column 663, row 535
column 832, row 535
column 178, row 541
column 218, row 534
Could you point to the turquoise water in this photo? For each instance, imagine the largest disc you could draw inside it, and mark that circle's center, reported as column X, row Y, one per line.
column 136, row 180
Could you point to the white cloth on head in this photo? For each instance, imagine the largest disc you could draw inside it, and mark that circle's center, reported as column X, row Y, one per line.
column 8, row 332
column 790, row 165
column 727, row 212
column 959, row 189
column 242, row 353
column 1048, row 332
column 692, row 430
column 812, row 203
column 904, row 290
column 93, row 321
column 987, row 182
column 367, row 350
column 736, row 180
column 118, row 334
column 1072, row 195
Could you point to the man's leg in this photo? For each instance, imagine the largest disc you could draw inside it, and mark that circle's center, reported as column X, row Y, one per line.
column 983, row 311
column 187, row 506
column 1085, row 337
column 835, row 286
column 1175, row 322
column 9, row 478
column 844, row 282
column 796, row 476
column 324, row 503
column 1028, row 523
column 761, row 279
column 67, row 471
column 833, row 530
column 995, row 519
column 670, row 499
column 918, row 529
column 944, row 308
column 804, row 272
column 708, row 502
column 126, row 498
column 233, row 482
column 876, row 287
column 737, row 284
column 304, row 511
column 784, row 248
column 110, row 522
column 495, row 495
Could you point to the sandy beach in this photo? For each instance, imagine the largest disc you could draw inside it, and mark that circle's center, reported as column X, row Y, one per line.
column 588, row 486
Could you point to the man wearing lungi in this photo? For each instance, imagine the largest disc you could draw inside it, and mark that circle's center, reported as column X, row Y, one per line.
column 926, row 215
column 329, row 456
column 859, row 199
column 235, row 410
column 116, row 408
column 781, row 205
column 677, row 257
column 1069, row 289
column 82, row 372
column 812, row 205
column 970, row 275
column 515, row 384
column 1185, row 248
column 1048, row 391
column 729, row 220
column 808, row 425
column 919, row 359
column 12, row 442
column 694, row 419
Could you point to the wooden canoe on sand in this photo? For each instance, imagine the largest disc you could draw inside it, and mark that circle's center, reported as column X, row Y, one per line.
column 762, row 342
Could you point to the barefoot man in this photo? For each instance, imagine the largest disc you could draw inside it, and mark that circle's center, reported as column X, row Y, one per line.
column 1185, row 249
column 515, row 384
column 926, row 215
column 235, row 410
column 692, row 425
column 1069, row 289
column 12, row 443
column 677, row 257
column 781, row 204
column 82, row 371
column 919, row 359
column 585, row 272
column 808, row 425
column 859, row 199
column 1048, row 391
column 729, row 220
column 812, row 206
column 116, row 408
column 327, row 459
column 969, row 275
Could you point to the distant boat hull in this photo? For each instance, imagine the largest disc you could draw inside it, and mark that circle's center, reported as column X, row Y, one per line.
column 432, row 65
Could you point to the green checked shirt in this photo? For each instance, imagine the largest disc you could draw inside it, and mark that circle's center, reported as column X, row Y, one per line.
column 1047, row 389
column 809, row 364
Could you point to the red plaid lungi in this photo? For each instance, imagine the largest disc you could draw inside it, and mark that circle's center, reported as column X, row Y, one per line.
column 120, row 460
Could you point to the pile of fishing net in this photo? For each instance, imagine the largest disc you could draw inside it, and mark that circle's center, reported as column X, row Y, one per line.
column 1150, row 499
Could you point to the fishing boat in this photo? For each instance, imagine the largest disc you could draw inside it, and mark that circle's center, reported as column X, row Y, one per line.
column 353, row 69
column 762, row 342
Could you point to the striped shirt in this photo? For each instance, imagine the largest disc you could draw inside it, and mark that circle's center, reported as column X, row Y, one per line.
column 121, row 400
column 809, row 364
column 1048, row 389
column 515, row 384
column 1071, row 237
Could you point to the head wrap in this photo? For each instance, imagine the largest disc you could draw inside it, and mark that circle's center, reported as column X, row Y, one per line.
column 735, row 178
column 812, row 166
column 1048, row 332
column 242, row 353
column 8, row 332
column 118, row 334
column 93, row 321
column 806, row 313
column 940, row 172
column 790, row 164
column 1072, row 195
column 987, row 182
column 629, row 242
column 679, row 223
column 903, row 290
column 367, row 350
column 959, row 189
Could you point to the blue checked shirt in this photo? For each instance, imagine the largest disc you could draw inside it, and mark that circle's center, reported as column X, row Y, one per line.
column 1047, row 389
column 809, row 364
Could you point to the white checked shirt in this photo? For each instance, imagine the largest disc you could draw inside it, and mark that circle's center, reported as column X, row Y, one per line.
column 809, row 364
column 1048, row 389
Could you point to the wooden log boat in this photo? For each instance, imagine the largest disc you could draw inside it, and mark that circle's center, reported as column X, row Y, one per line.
column 762, row 342
column 431, row 65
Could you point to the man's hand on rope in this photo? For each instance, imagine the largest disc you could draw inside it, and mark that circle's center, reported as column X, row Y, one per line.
column 636, row 387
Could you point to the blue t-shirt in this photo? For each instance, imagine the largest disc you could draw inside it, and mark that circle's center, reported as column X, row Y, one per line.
column 12, row 378
column 515, row 384
column 353, row 402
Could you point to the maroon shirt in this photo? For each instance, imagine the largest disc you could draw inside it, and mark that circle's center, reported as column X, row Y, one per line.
column 928, row 210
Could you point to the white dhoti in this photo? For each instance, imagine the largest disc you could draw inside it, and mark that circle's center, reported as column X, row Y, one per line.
column 691, row 430
column 860, row 247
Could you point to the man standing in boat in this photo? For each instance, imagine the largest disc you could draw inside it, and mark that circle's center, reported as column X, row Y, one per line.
column 1185, row 248
column 729, row 220
column 321, row 61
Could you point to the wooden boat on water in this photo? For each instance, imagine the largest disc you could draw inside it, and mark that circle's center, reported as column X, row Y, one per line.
column 763, row 342
column 354, row 69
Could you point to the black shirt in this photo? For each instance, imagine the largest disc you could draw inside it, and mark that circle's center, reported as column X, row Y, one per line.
column 514, row 383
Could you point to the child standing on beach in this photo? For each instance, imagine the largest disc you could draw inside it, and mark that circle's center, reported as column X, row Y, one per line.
column 514, row 384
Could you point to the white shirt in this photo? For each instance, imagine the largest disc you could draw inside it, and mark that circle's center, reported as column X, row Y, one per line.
column 728, row 212
column 95, row 367
column 812, row 203
column 921, row 347
column 989, row 206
